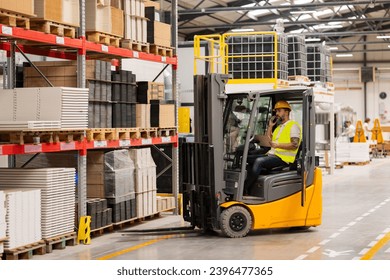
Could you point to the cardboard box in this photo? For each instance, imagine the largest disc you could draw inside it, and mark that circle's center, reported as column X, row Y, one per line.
column 142, row 115
column 117, row 21
column 95, row 191
column 162, row 115
column 71, row 12
column 50, row 10
column 24, row 7
column 99, row 17
column 147, row 91
column 159, row 33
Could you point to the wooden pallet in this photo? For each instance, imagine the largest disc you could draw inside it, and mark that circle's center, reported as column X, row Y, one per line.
column 41, row 136
column 50, row 27
column 303, row 79
column 101, row 134
column 61, row 241
column 14, row 19
column 165, row 132
column 127, row 133
column 148, row 132
column 102, row 230
column 283, row 83
column 135, row 45
column 357, row 163
column 160, row 50
column 25, row 252
column 134, row 221
column 102, row 38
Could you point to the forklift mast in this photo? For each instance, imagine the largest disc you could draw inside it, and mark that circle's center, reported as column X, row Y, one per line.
column 203, row 164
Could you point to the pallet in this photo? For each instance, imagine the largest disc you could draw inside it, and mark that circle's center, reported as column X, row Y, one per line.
column 101, row 134
column 299, row 79
column 148, row 132
column 14, row 19
column 41, row 136
column 165, row 132
column 100, row 231
column 160, row 50
column 127, row 133
column 50, row 27
column 283, row 83
column 102, row 38
column 134, row 221
column 135, row 45
column 357, row 163
column 25, row 252
column 61, row 241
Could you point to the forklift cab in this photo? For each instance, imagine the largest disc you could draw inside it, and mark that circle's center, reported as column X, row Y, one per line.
column 215, row 165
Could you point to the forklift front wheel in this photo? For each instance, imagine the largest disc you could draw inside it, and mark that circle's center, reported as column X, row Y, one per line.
column 235, row 222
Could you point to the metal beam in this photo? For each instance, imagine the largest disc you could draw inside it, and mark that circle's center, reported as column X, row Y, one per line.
column 299, row 22
column 290, row 7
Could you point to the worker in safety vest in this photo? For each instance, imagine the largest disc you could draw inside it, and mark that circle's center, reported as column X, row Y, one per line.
column 284, row 143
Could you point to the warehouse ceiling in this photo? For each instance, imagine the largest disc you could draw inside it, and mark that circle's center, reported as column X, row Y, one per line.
column 351, row 26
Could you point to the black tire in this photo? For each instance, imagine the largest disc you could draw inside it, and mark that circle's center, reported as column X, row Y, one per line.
column 235, row 222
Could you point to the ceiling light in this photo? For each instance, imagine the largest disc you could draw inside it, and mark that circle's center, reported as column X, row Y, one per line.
column 383, row 36
column 312, row 39
column 302, row 12
column 333, row 48
column 389, row 46
column 344, row 55
column 243, row 30
column 327, row 26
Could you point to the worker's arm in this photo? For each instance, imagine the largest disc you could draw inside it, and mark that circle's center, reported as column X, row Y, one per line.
column 287, row 146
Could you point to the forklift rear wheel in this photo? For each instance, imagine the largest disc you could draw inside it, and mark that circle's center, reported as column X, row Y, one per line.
column 235, row 222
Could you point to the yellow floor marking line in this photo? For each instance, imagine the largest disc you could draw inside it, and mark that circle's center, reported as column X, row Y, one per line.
column 374, row 249
column 136, row 247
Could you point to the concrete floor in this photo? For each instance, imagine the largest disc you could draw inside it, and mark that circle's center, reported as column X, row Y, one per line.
column 356, row 218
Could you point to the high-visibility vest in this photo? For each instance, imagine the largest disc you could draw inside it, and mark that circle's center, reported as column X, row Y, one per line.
column 287, row 156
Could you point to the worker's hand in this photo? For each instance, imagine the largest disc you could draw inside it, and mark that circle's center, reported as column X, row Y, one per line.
column 274, row 144
column 272, row 121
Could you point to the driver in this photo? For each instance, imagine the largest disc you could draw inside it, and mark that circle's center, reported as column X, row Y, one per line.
column 284, row 142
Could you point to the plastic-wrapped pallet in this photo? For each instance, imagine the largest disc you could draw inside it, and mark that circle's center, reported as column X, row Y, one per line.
column 145, row 183
column 118, row 174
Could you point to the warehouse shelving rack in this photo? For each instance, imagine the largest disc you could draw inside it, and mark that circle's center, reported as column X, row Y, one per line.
column 50, row 45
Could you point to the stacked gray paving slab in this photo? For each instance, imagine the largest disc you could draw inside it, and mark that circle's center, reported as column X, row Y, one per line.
column 124, row 93
column 100, row 108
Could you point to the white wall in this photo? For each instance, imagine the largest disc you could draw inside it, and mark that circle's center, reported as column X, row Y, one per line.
column 350, row 91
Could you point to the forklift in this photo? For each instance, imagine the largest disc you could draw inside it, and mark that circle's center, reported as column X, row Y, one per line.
column 215, row 165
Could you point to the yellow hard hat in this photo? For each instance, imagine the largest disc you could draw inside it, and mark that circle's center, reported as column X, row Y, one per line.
column 282, row 105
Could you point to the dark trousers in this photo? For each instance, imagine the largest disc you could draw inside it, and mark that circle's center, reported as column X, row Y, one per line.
column 261, row 164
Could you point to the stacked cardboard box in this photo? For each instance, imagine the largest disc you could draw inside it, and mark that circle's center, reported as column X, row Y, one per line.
column 145, row 182
column 153, row 109
column 159, row 33
column 135, row 21
column 24, row 7
column 104, row 18
column 60, row 11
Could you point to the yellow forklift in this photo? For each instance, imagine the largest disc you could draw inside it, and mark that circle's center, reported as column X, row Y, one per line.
column 214, row 166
